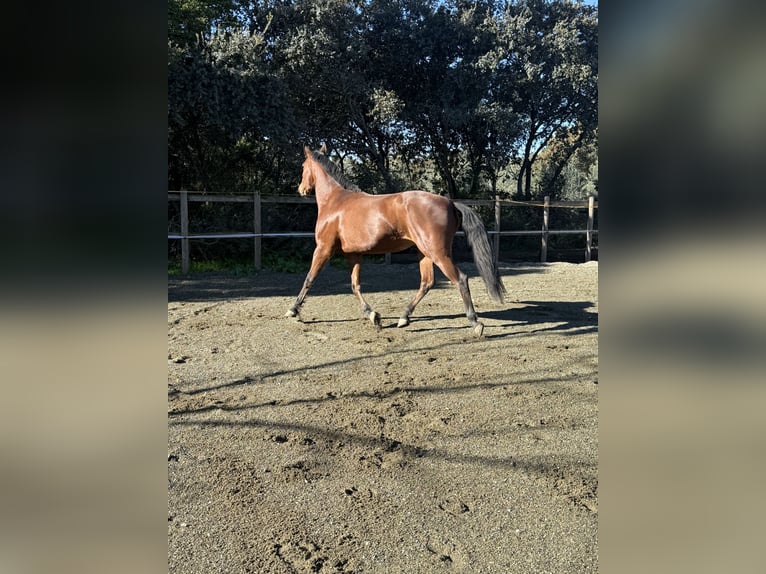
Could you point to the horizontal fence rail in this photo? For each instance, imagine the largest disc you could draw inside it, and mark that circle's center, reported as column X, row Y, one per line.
column 184, row 197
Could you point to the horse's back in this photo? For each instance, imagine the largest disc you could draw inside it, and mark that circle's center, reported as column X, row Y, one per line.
column 409, row 209
column 392, row 222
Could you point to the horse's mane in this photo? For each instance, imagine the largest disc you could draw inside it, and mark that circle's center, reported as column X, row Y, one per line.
column 334, row 171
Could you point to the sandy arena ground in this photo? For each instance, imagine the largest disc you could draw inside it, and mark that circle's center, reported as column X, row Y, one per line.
column 329, row 446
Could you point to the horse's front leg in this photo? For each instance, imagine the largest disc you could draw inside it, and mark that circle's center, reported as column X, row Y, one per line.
column 321, row 255
column 355, row 262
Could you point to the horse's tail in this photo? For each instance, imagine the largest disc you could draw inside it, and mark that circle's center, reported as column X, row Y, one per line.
column 482, row 255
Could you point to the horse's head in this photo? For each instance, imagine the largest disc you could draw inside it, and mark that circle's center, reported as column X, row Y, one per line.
column 308, row 180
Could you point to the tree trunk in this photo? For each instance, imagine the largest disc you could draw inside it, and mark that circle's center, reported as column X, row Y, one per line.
column 386, row 173
column 528, row 182
column 475, row 179
column 372, row 148
column 442, row 162
column 577, row 144
column 448, row 179
column 380, row 158
column 524, row 181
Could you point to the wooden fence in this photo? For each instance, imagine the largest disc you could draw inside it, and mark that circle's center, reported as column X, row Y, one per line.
column 257, row 233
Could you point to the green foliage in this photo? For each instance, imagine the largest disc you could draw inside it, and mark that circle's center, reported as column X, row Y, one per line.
column 230, row 266
column 286, row 263
column 189, row 21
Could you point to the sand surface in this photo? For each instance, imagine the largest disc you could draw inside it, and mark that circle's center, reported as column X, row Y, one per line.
column 330, row 446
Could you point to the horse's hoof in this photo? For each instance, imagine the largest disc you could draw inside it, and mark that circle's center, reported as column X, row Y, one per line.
column 292, row 313
column 375, row 318
column 403, row 322
column 478, row 330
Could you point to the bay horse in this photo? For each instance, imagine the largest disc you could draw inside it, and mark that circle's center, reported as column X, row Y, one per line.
column 356, row 223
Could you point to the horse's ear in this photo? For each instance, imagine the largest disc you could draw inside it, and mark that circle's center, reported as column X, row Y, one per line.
column 323, row 149
column 307, row 151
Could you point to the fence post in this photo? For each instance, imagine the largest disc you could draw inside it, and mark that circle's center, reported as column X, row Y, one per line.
column 497, row 230
column 257, row 229
column 544, row 246
column 184, row 232
column 589, row 230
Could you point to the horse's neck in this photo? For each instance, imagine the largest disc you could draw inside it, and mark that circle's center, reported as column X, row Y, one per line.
column 326, row 188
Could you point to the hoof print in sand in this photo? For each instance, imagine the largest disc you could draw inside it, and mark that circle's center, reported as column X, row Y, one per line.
column 453, row 506
column 303, row 556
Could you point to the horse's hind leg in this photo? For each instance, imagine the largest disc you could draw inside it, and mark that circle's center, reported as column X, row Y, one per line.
column 460, row 280
column 355, row 262
column 426, row 282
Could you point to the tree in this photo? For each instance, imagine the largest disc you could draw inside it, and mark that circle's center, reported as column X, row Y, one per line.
column 548, row 50
column 192, row 21
column 463, row 87
column 226, row 108
column 569, row 167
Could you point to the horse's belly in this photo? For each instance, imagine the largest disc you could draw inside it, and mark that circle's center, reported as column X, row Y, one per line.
column 392, row 246
column 384, row 245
